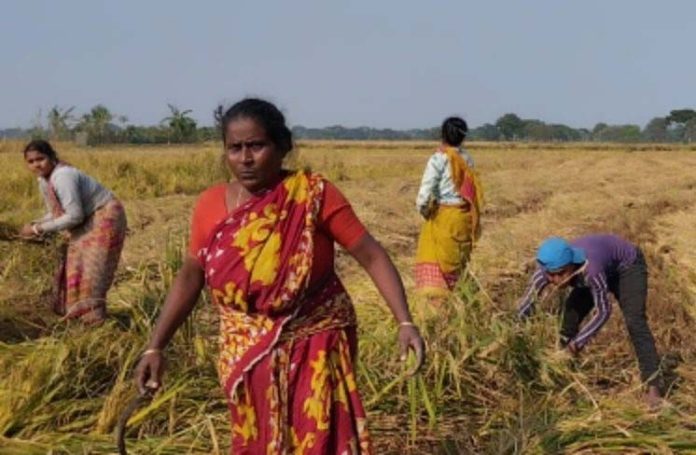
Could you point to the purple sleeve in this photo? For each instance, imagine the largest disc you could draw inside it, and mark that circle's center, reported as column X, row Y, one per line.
column 598, row 286
column 536, row 285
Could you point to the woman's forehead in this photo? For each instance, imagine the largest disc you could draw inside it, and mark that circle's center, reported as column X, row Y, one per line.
column 34, row 154
column 244, row 128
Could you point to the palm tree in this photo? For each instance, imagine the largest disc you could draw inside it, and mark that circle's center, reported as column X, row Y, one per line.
column 96, row 124
column 59, row 120
column 182, row 127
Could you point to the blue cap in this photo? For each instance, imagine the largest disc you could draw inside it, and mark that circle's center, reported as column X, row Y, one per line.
column 555, row 253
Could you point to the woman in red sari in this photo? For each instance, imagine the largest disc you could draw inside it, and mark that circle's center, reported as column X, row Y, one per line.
column 264, row 246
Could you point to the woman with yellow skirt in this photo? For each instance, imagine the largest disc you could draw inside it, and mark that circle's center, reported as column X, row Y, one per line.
column 449, row 199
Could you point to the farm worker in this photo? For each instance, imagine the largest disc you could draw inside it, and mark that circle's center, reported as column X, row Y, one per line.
column 449, row 199
column 264, row 246
column 594, row 266
column 95, row 222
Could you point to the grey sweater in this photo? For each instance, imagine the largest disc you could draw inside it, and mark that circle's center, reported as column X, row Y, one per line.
column 79, row 196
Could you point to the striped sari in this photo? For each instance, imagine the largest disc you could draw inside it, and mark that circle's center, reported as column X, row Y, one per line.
column 89, row 262
column 286, row 348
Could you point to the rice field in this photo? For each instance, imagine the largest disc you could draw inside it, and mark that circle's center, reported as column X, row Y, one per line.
column 490, row 384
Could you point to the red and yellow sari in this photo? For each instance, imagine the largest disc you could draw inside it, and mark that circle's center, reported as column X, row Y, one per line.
column 286, row 349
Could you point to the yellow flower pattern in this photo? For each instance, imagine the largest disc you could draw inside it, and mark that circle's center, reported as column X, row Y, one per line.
column 301, row 447
column 268, row 261
column 297, row 193
column 260, row 246
column 343, row 376
column 236, row 328
column 246, row 427
column 316, row 406
column 232, row 296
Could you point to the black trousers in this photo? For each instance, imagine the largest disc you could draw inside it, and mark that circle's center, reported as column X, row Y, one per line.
column 631, row 289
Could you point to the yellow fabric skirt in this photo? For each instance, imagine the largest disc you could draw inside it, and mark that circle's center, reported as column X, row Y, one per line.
column 444, row 247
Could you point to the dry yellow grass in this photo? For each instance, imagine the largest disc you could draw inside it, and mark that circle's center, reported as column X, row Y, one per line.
column 643, row 192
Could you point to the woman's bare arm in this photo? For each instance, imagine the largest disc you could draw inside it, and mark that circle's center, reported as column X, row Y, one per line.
column 179, row 303
column 376, row 262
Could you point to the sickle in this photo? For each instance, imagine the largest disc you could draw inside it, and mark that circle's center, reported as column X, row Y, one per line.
column 137, row 402
column 11, row 237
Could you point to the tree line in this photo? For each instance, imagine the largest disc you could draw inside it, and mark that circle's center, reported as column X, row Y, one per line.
column 101, row 126
column 678, row 126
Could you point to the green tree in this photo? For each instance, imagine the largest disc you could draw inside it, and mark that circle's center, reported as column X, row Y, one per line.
column 597, row 131
column 681, row 116
column 37, row 130
column 689, row 134
column 584, row 134
column 218, row 113
column 181, row 126
column 510, row 126
column 560, row 132
column 656, row 130
column 535, row 130
column 485, row 132
column 96, row 124
column 619, row 133
column 59, row 120
column 679, row 122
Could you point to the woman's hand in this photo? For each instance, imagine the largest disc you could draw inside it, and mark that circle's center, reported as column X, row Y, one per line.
column 375, row 260
column 428, row 210
column 410, row 338
column 148, row 373
column 573, row 348
column 424, row 211
column 179, row 303
column 27, row 231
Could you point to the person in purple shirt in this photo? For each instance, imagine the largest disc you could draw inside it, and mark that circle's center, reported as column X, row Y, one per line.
column 594, row 266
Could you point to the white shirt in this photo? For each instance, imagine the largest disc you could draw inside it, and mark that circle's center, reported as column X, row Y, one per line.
column 79, row 196
column 437, row 180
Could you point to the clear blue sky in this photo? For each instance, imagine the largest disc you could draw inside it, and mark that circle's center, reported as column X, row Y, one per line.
column 382, row 63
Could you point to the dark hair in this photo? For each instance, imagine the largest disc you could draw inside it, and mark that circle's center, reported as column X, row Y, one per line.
column 454, row 131
column 266, row 114
column 43, row 147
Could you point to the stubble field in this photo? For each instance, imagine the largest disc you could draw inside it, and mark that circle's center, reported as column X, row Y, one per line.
column 490, row 385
